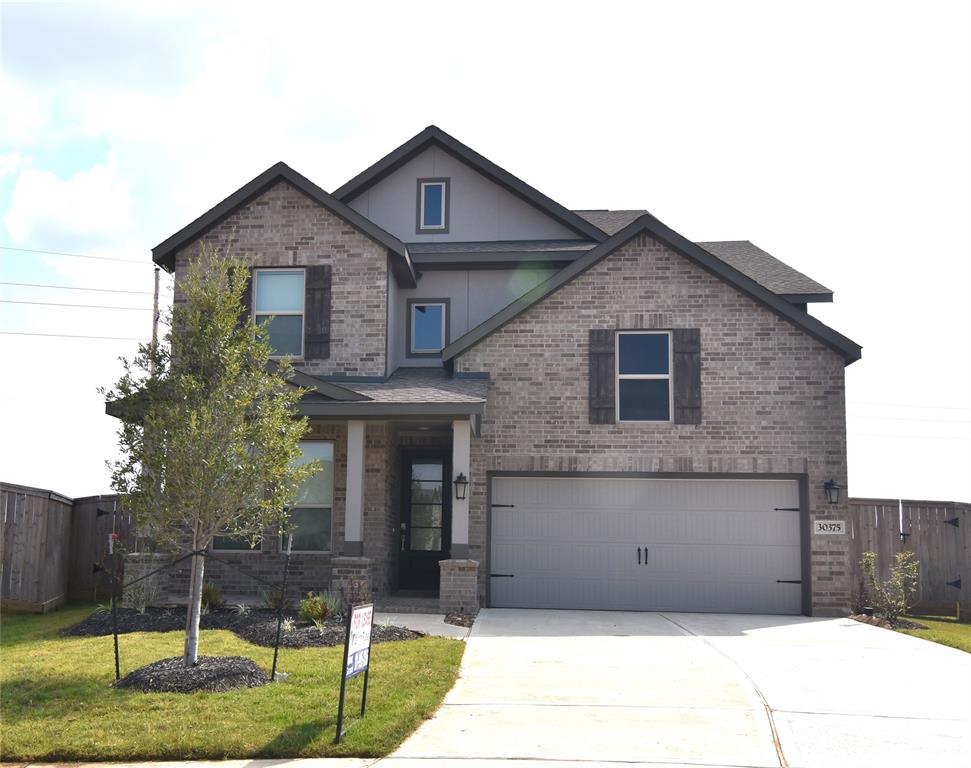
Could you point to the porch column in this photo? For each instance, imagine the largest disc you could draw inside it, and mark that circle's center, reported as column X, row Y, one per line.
column 354, row 500
column 461, row 454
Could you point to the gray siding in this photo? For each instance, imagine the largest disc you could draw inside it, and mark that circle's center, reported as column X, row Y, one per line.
column 478, row 208
column 474, row 296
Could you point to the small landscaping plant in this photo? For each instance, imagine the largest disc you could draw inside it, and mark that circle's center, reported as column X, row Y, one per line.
column 313, row 608
column 273, row 599
column 211, row 596
column 892, row 597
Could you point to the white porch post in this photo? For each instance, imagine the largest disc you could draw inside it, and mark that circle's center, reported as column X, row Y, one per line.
column 461, row 461
column 354, row 501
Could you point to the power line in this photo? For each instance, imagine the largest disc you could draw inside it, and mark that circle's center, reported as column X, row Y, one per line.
column 85, row 306
column 904, row 418
column 76, row 255
column 74, row 288
column 70, row 336
column 910, row 437
column 910, row 405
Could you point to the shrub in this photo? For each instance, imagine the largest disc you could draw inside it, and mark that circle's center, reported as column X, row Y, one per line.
column 241, row 609
column 313, row 608
column 288, row 624
column 141, row 595
column 334, row 606
column 211, row 596
column 893, row 597
column 273, row 599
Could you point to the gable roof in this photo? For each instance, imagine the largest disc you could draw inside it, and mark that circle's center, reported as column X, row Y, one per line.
column 163, row 254
column 744, row 255
column 848, row 349
column 767, row 270
column 435, row 136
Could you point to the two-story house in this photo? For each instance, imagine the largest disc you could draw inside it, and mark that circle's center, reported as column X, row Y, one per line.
column 517, row 404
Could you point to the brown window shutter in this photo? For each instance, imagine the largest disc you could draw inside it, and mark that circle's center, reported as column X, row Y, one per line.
column 246, row 300
column 601, row 357
column 687, row 375
column 317, row 313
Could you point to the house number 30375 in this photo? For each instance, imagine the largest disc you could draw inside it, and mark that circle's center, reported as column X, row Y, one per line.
column 829, row 526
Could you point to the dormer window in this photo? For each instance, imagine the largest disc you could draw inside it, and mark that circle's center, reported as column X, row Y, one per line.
column 432, row 206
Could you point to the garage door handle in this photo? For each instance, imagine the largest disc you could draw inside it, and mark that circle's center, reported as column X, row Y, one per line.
column 502, row 575
column 645, row 555
column 638, row 555
column 788, row 581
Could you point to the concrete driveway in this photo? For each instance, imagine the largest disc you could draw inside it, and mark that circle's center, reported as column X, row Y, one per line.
column 702, row 690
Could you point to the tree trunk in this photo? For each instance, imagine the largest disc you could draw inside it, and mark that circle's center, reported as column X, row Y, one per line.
column 191, row 654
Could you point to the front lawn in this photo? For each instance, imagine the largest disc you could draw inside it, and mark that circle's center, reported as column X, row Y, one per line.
column 56, row 703
column 944, row 630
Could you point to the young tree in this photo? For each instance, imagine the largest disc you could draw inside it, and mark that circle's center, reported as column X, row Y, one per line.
column 209, row 435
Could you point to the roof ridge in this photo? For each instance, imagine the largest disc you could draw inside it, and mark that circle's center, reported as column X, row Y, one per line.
column 495, row 173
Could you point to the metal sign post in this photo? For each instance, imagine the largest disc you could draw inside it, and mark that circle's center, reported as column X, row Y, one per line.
column 357, row 655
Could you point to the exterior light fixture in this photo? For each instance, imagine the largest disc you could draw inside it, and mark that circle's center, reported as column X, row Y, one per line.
column 832, row 489
column 461, row 486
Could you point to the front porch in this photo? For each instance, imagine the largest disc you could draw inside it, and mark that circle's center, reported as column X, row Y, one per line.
column 403, row 537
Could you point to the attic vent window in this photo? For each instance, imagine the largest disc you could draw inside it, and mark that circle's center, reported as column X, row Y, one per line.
column 432, row 205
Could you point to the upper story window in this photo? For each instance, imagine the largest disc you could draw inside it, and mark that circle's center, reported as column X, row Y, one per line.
column 280, row 294
column 427, row 327
column 432, row 205
column 644, row 376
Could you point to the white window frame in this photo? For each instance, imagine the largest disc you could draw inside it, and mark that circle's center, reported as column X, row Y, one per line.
column 330, row 542
column 412, row 349
column 643, row 376
column 421, row 202
column 285, row 313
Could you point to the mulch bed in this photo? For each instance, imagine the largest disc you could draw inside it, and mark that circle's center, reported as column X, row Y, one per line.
column 460, row 619
column 257, row 627
column 212, row 673
column 880, row 621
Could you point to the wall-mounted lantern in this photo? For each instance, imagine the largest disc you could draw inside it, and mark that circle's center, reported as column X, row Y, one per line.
column 461, row 486
column 832, row 489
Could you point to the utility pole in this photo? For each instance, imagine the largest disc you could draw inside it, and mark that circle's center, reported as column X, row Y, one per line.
column 154, row 326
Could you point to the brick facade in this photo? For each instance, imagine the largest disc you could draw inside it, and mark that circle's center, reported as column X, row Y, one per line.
column 284, row 228
column 772, row 396
column 459, row 590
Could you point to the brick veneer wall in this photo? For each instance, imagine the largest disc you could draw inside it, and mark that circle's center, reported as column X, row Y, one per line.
column 772, row 396
column 284, row 228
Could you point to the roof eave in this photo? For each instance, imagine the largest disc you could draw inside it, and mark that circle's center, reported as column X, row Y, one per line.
column 163, row 254
column 847, row 348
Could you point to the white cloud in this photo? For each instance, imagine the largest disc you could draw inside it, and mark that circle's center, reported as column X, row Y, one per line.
column 68, row 213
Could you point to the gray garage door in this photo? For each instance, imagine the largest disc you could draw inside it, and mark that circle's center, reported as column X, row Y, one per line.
column 613, row 543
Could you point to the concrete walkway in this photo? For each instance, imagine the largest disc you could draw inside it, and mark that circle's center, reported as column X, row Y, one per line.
column 702, row 690
column 429, row 623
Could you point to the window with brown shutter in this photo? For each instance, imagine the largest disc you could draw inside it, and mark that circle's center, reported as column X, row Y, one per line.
column 317, row 328
column 601, row 362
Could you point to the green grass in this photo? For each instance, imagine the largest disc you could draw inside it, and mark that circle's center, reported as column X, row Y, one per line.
column 56, row 703
column 944, row 630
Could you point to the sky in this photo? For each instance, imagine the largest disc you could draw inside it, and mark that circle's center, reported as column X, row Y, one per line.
column 835, row 135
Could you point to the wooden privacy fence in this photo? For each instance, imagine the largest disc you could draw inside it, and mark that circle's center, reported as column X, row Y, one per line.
column 35, row 545
column 937, row 532
column 50, row 543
